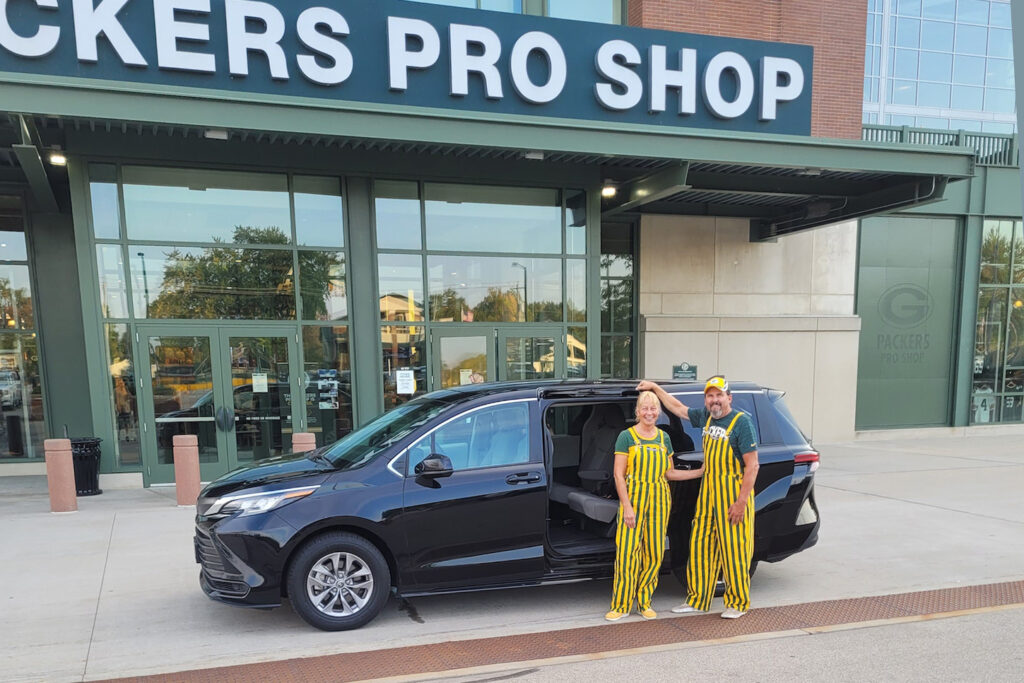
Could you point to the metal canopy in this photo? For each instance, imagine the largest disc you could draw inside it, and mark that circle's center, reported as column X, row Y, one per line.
column 781, row 185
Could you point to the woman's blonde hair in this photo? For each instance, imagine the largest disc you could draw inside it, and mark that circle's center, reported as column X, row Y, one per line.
column 646, row 397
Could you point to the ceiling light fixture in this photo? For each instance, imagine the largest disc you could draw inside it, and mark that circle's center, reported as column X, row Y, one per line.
column 58, row 159
column 534, row 155
column 215, row 134
column 609, row 190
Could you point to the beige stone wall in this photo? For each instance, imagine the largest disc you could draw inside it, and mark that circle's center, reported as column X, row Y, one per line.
column 780, row 314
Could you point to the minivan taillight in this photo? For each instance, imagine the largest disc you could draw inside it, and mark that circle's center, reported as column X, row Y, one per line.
column 807, row 457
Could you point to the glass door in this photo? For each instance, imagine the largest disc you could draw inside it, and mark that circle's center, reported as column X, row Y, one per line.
column 182, row 396
column 531, row 353
column 233, row 388
column 462, row 357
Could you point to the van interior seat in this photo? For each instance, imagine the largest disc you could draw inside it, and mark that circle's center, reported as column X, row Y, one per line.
column 593, row 507
column 597, row 448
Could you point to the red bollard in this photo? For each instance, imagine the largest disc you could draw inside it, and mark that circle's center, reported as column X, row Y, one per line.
column 303, row 441
column 60, row 475
column 186, row 468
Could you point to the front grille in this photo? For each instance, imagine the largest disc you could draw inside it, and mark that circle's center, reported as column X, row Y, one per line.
column 216, row 571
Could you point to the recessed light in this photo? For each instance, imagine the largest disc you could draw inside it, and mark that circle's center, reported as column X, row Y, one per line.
column 58, row 159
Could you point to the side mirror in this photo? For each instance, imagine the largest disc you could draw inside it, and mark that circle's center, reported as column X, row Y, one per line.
column 434, row 465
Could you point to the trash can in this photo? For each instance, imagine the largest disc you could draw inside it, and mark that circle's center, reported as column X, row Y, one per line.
column 85, row 454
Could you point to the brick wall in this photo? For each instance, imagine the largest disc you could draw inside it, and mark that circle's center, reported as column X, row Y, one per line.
column 834, row 28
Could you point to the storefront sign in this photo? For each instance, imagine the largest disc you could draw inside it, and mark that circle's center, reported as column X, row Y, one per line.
column 259, row 383
column 404, row 53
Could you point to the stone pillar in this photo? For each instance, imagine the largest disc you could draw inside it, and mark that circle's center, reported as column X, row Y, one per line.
column 60, row 475
column 186, row 468
column 303, row 441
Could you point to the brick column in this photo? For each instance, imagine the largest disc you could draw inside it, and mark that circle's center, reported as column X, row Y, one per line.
column 60, row 475
column 186, row 468
column 303, row 441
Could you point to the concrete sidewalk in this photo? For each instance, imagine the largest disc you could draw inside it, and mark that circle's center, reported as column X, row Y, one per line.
column 112, row 590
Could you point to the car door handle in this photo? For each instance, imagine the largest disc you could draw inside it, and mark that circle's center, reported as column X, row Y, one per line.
column 523, row 478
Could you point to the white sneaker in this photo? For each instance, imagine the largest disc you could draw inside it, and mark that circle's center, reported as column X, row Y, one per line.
column 731, row 613
column 685, row 608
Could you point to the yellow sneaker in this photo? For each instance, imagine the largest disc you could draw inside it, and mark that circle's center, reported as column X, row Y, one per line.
column 615, row 616
column 648, row 613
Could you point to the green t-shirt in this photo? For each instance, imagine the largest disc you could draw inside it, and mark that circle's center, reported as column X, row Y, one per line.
column 742, row 437
column 625, row 441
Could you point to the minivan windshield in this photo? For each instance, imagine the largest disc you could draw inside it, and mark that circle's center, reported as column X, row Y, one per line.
column 360, row 446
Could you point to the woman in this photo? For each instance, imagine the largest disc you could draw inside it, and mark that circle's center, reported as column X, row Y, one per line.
column 643, row 463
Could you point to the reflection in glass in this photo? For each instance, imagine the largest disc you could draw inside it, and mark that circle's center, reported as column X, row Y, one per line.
column 1014, row 378
column 936, row 35
column 113, row 293
column 403, row 348
column 400, row 286
column 1018, row 252
column 970, row 39
column 123, row 394
column 492, row 219
column 15, row 298
column 576, row 290
column 938, row 9
column 22, row 429
column 328, row 382
column 936, row 67
column 261, row 397
column 529, row 357
column 575, row 222
column 12, row 230
column 463, row 361
column 319, row 214
column 995, row 251
column 989, row 338
column 576, row 352
column 397, row 214
column 218, row 282
column 322, row 279
column 968, row 70
column 182, row 381
column 196, row 205
column 602, row 11
column 617, row 356
column 494, row 289
column 106, row 219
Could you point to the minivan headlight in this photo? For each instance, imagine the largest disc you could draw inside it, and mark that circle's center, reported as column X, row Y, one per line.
column 255, row 503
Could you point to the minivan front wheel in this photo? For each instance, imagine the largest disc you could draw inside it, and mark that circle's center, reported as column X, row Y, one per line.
column 338, row 581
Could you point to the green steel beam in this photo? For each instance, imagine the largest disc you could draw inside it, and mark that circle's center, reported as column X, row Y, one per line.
column 825, row 212
column 782, row 185
column 32, row 165
column 636, row 193
column 53, row 96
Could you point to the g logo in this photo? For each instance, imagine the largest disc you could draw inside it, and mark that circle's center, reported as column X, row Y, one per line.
column 905, row 305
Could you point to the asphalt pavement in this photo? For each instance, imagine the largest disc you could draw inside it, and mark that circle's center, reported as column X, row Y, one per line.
column 112, row 590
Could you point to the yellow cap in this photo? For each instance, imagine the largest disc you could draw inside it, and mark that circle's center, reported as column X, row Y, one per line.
column 717, row 383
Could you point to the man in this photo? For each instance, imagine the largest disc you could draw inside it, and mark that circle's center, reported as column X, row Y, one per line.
column 722, row 538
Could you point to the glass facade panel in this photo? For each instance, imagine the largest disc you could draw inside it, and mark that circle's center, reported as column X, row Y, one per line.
column 15, row 298
column 602, row 11
column 999, row 101
column 999, row 14
column 576, row 352
column 903, row 92
column 21, row 400
column 319, row 214
column 397, row 214
column 113, row 292
column 616, row 356
column 1000, row 43
column 494, row 289
column 995, row 251
column 106, row 217
column 197, row 205
column 933, row 95
column 938, row 9
column 322, row 280
column 936, row 35
column 908, row 32
column 972, row 11
column 400, row 287
column 905, row 64
column 968, row 70
column 999, row 73
column 529, row 358
column 971, row 40
column 575, row 222
column 909, row 8
column 403, row 347
column 492, row 219
column 126, row 405
column 328, row 382
column 936, row 67
column 12, row 244
column 222, row 282
column 576, row 290
column 966, row 97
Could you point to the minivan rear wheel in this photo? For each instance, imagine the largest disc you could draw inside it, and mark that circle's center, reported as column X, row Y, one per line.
column 338, row 581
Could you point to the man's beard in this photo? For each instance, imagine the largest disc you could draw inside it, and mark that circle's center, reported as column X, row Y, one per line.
column 717, row 411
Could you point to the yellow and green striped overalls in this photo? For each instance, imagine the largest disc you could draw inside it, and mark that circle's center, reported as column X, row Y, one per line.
column 715, row 543
column 639, row 551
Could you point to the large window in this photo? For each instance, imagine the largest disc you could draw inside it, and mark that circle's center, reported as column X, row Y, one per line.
column 223, row 245
column 998, row 387
column 22, row 427
column 618, row 319
column 603, row 11
column 452, row 255
column 940, row 64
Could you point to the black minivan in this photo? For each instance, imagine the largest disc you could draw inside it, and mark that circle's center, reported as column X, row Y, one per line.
column 482, row 486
